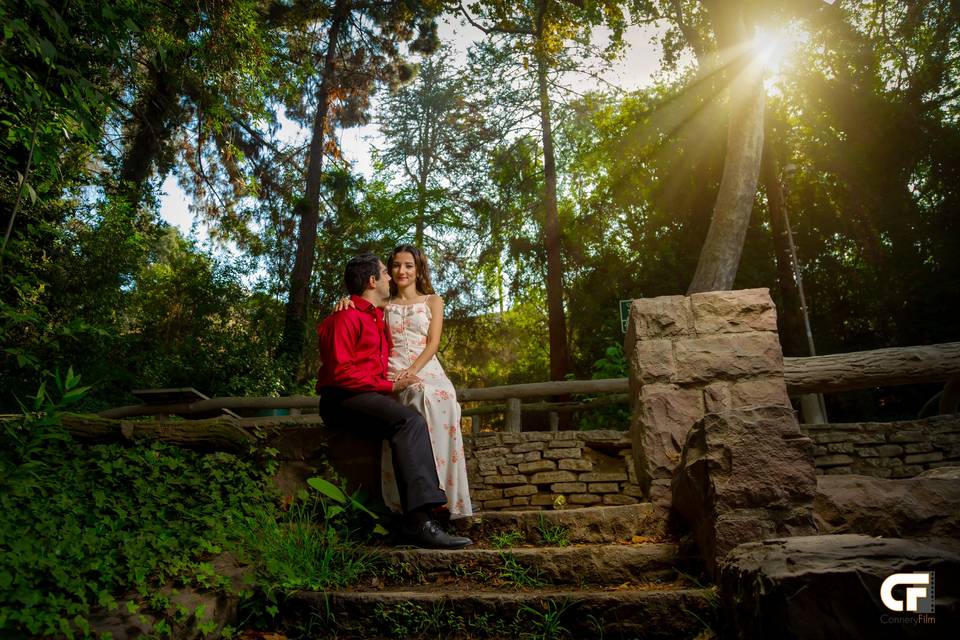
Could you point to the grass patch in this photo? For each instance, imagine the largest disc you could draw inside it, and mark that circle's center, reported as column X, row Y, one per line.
column 555, row 536
column 507, row 539
column 519, row 575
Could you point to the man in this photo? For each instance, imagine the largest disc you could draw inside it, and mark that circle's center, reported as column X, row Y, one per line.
column 354, row 391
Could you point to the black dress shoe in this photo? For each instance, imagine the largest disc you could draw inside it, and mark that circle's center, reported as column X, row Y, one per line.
column 429, row 535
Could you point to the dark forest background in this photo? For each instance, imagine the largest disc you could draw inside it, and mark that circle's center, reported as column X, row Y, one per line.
column 542, row 193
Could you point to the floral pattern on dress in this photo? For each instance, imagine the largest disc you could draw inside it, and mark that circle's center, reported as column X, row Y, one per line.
column 436, row 400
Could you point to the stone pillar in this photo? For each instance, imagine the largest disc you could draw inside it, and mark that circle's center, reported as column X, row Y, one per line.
column 693, row 355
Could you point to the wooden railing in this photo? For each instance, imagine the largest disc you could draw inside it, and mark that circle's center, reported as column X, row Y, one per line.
column 818, row 374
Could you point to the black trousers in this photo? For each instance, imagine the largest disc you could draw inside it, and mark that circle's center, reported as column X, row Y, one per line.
column 375, row 415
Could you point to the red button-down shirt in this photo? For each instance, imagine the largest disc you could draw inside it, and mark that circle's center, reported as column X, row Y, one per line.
column 354, row 347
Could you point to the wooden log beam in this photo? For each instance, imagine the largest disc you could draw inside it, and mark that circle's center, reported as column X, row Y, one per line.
column 544, row 389
column 228, row 402
column 550, row 407
column 207, row 435
column 876, row 368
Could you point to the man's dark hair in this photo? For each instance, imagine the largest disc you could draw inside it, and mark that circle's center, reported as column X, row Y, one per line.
column 358, row 272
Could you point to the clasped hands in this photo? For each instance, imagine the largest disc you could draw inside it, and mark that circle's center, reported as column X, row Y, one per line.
column 404, row 379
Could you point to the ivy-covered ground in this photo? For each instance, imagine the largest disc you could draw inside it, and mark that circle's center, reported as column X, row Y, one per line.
column 84, row 526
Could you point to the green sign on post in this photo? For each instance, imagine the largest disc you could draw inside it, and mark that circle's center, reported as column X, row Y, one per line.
column 624, row 314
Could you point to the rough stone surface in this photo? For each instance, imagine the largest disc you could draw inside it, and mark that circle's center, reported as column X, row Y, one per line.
column 925, row 507
column 661, row 317
column 586, row 525
column 653, row 361
column 829, row 587
column 745, row 475
column 727, row 356
column 661, row 422
column 733, row 311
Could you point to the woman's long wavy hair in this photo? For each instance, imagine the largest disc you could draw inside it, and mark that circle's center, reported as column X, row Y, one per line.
column 423, row 284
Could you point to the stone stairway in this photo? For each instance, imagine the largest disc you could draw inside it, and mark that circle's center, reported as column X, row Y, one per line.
column 596, row 572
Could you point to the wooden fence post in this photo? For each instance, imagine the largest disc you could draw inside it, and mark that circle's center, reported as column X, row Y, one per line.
column 513, row 415
column 554, row 421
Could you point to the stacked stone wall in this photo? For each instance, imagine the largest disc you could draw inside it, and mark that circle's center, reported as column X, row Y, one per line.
column 694, row 355
column 537, row 469
column 886, row 449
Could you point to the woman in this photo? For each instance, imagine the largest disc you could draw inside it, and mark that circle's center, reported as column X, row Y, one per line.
column 414, row 315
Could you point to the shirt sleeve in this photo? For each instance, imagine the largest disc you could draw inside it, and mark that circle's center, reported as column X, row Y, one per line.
column 337, row 351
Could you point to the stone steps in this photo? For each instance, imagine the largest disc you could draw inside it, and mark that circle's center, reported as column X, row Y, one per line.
column 586, row 525
column 616, row 575
column 590, row 564
column 613, row 613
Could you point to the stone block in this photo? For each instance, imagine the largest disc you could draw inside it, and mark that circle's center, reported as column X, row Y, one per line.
column 832, row 460
column 584, row 498
column 537, row 465
column 918, row 447
column 889, row 450
column 520, row 501
column 906, row 471
column 733, row 311
column 907, row 436
column 525, row 447
column 506, row 480
column 556, row 454
column 522, row 490
column 550, row 477
column 660, row 317
column 543, row 499
column 569, row 487
column 508, row 470
column 919, row 458
column 496, row 504
column 563, row 443
column 619, row 498
column 492, row 452
column 603, row 487
column 746, row 474
column 488, row 472
column 723, row 396
column 664, row 416
column 514, row 458
column 727, row 357
column 576, row 465
column 491, row 465
column 828, row 438
column 483, row 495
column 840, row 447
column 511, row 438
column 593, row 476
column 652, row 361
column 868, row 438
column 530, row 456
column 633, row 490
column 837, row 471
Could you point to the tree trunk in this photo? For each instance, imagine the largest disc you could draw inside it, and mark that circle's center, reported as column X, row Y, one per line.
column 559, row 359
column 720, row 255
column 308, row 209
column 789, row 313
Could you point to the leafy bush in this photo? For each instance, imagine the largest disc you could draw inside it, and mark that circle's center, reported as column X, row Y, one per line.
column 85, row 524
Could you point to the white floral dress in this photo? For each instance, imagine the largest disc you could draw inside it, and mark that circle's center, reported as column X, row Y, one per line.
column 435, row 399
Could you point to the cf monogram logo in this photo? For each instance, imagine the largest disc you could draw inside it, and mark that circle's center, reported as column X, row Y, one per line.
column 919, row 598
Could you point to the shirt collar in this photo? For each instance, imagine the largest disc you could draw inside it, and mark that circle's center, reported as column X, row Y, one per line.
column 362, row 304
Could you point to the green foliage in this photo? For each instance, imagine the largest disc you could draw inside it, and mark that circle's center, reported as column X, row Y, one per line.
column 556, row 536
column 519, row 575
column 546, row 624
column 506, row 539
column 85, row 524
column 612, row 365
